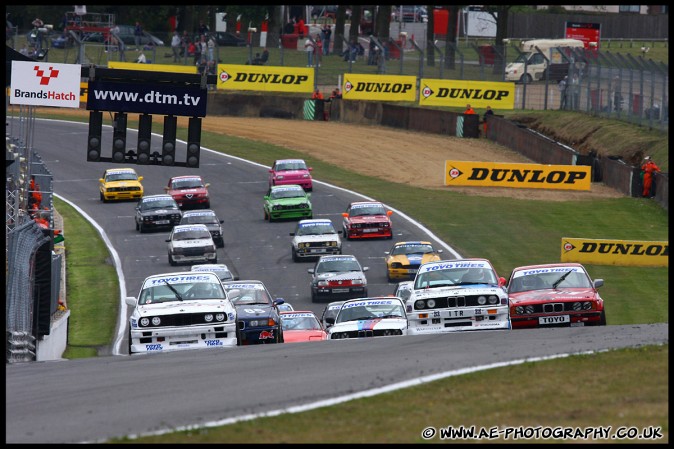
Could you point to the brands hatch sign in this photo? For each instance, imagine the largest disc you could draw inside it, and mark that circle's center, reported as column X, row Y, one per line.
column 45, row 84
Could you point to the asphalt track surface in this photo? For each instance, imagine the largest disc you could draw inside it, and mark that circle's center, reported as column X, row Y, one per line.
column 92, row 400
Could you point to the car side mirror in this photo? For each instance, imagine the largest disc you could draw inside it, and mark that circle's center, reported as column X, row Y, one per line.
column 366, row 268
column 309, row 168
column 279, row 301
column 266, row 197
column 166, row 189
column 598, row 283
column 310, row 270
column 291, row 233
column 501, row 281
column 168, row 240
column 140, row 178
column 387, row 252
column 130, row 301
column 344, row 214
column 389, row 212
column 207, row 185
column 271, row 170
column 222, row 221
column 329, row 321
column 101, row 180
column 340, row 232
column 439, row 251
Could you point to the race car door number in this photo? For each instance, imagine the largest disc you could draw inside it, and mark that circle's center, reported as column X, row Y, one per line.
column 554, row 319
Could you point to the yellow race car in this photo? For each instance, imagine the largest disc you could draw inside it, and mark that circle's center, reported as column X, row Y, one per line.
column 404, row 259
column 120, row 184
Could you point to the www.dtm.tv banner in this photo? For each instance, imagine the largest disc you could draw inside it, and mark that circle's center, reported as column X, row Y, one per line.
column 528, row 176
column 615, row 252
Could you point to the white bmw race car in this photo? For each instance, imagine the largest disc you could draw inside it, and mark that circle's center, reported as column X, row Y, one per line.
column 370, row 317
column 183, row 310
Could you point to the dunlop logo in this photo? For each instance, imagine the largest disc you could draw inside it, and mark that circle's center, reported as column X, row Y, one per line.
column 268, row 78
column 625, row 249
column 526, row 176
column 470, row 94
column 382, row 87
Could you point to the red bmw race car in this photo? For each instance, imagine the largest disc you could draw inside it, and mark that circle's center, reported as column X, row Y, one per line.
column 367, row 219
column 553, row 295
column 189, row 192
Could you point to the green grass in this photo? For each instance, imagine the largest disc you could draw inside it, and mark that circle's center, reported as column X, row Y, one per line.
column 510, row 232
column 92, row 286
column 603, row 389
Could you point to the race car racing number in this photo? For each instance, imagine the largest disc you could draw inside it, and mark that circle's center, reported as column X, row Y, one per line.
column 254, row 310
column 559, row 319
column 154, row 347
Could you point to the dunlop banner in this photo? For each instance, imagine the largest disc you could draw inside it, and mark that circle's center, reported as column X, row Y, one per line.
column 527, row 176
column 458, row 93
column 379, row 87
column 153, row 67
column 265, row 78
column 615, row 252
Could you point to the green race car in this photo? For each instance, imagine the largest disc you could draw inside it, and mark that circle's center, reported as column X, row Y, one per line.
column 287, row 201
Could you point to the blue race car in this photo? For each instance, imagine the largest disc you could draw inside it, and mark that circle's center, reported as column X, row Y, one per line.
column 258, row 320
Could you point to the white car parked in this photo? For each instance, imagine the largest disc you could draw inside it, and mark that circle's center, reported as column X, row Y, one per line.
column 191, row 243
column 381, row 316
column 183, row 310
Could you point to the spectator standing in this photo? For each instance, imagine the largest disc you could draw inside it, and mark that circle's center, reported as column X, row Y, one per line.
column 648, row 168
column 211, row 48
column 265, row 56
column 203, row 28
column 317, row 95
column 488, row 112
column 327, row 33
column 176, row 44
column 469, row 110
column 37, row 25
column 335, row 94
column 137, row 34
column 185, row 43
column 371, row 52
column 117, row 41
column 309, row 48
column 300, row 28
column 562, row 92
column 318, row 49
column 617, row 95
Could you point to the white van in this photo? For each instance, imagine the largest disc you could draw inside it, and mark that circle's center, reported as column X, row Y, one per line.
column 536, row 63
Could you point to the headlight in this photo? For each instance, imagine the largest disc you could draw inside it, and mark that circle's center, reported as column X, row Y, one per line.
column 220, row 317
column 482, row 300
column 577, row 306
column 396, row 265
column 255, row 323
column 144, row 322
column 338, row 335
column 430, row 303
column 358, row 282
column 420, row 304
column 279, row 177
column 208, row 317
column 529, row 309
column 493, row 299
column 519, row 310
column 156, row 321
column 587, row 305
column 322, row 283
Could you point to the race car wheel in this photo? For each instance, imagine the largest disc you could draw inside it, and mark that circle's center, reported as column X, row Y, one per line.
column 239, row 339
column 295, row 256
column 279, row 338
column 313, row 297
column 346, row 234
column 141, row 228
column 137, row 226
column 171, row 261
column 388, row 277
column 129, row 341
column 102, row 197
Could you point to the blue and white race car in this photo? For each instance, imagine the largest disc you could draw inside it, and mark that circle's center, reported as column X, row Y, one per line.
column 380, row 316
column 183, row 310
